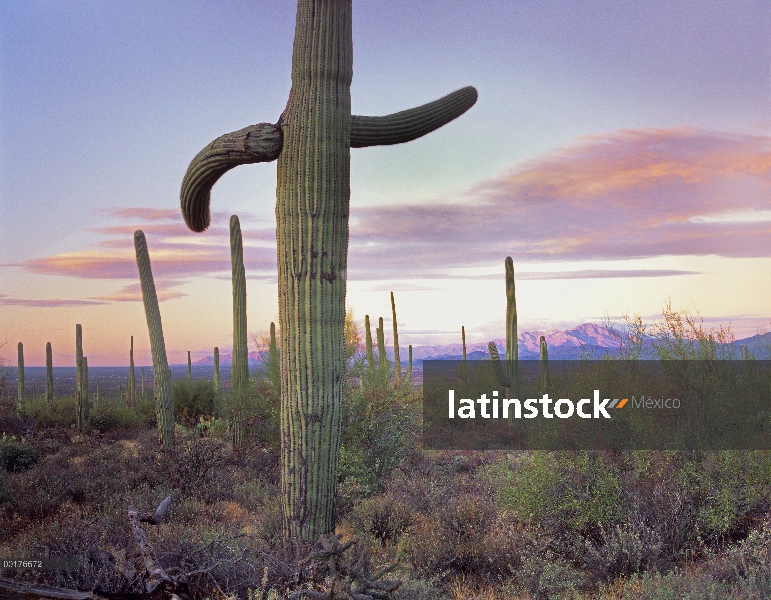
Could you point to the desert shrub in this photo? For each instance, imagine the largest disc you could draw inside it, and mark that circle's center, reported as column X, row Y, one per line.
column 15, row 456
column 146, row 412
column 382, row 517
column 61, row 413
column 112, row 416
column 194, row 399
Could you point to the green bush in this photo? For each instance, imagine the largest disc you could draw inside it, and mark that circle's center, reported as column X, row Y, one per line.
column 112, row 416
column 60, row 414
column 16, row 457
column 194, row 399
column 146, row 412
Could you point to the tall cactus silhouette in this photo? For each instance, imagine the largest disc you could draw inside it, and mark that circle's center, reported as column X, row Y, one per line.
column 274, row 361
column 81, row 400
column 409, row 363
column 217, row 383
column 20, row 377
column 383, row 366
column 371, row 365
column 544, row 365
column 239, row 373
column 132, row 383
column 189, row 367
column 49, row 374
column 312, row 142
column 397, row 362
column 508, row 375
column 86, row 399
column 144, row 395
column 164, row 399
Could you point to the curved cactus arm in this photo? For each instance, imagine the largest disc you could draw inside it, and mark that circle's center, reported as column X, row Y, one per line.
column 257, row 143
column 497, row 366
column 413, row 123
column 263, row 143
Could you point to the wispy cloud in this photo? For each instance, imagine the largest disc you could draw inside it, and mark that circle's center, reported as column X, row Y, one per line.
column 623, row 195
column 6, row 300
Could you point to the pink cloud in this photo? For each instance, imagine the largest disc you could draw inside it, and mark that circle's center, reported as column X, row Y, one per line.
column 6, row 300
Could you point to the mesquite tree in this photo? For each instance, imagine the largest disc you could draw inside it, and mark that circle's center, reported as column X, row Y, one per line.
column 164, row 399
column 312, row 141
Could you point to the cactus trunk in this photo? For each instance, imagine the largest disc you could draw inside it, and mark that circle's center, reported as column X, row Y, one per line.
column 86, row 399
column 544, row 365
column 80, row 398
column 512, row 344
column 132, row 397
column 164, row 400
column 239, row 374
column 20, row 377
column 397, row 361
column 274, row 362
column 217, row 384
column 383, row 367
column 371, row 365
column 144, row 395
column 49, row 375
column 409, row 363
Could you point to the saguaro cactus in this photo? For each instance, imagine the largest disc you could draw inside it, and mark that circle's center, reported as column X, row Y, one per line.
column 312, row 142
column 164, row 399
column 49, row 374
column 144, row 395
column 274, row 362
column 217, row 384
column 508, row 376
column 20, row 378
column 383, row 366
column 81, row 419
column 239, row 373
column 409, row 363
column 397, row 362
column 371, row 365
column 544, row 365
column 85, row 390
column 132, row 383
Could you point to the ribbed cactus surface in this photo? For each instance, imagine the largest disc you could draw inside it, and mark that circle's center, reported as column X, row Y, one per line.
column 164, row 399
column 86, row 399
column 383, row 366
column 49, row 374
column 20, row 377
column 508, row 375
column 239, row 374
column 189, row 367
column 371, row 365
column 274, row 361
column 312, row 142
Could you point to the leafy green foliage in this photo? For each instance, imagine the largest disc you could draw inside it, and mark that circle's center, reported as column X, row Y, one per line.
column 15, row 456
column 194, row 399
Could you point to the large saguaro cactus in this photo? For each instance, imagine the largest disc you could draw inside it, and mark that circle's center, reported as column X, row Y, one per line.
column 81, row 398
column 217, row 383
column 397, row 361
column 544, row 363
column 312, row 142
column 508, row 375
column 132, row 382
column 164, row 399
column 239, row 373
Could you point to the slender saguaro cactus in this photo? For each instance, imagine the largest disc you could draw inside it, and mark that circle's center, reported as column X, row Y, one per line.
column 371, row 365
column 239, row 374
column 164, row 399
column 409, row 363
column 274, row 361
column 96, row 400
column 312, row 142
column 20, row 377
column 189, row 367
column 144, row 395
column 49, row 374
column 508, row 376
column 544, row 365
column 80, row 411
column 217, row 384
column 397, row 362
column 383, row 367
column 132, row 397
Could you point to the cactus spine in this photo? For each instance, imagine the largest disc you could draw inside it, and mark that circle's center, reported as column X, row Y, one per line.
column 20, row 377
column 397, row 361
column 217, row 384
column 239, row 374
column 164, row 399
column 312, row 143
column 371, row 365
column 508, row 376
column 544, row 365
column 49, row 374
column 132, row 383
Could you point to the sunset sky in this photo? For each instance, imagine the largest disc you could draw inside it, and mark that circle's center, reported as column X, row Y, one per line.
column 620, row 152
